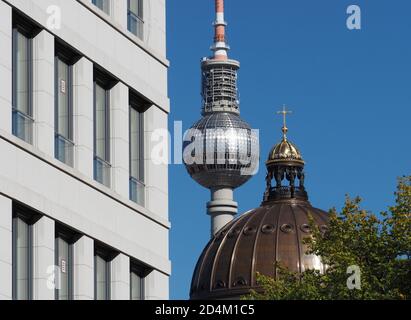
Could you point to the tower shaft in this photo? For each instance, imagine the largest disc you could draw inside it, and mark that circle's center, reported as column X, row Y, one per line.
column 222, row 208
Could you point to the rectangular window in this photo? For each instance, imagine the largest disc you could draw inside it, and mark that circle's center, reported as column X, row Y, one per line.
column 22, row 86
column 137, row 186
column 102, row 167
column 136, row 286
column 102, row 278
column 64, row 146
column 135, row 22
column 22, row 266
column 102, row 272
column 64, row 261
column 103, row 5
column 22, row 252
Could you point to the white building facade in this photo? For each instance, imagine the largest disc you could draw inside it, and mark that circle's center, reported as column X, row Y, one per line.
column 83, row 201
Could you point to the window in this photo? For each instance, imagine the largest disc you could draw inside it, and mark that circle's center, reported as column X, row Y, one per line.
column 103, row 5
column 137, row 187
column 138, row 274
column 136, row 285
column 64, row 261
column 102, row 278
column 22, row 86
column 135, row 22
column 102, row 166
column 64, row 146
column 102, row 273
column 22, row 277
column 22, row 252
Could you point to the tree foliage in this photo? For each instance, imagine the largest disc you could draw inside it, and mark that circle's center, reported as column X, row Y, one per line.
column 379, row 245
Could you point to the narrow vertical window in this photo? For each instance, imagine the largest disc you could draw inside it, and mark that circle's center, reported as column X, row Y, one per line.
column 22, row 266
column 136, row 286
column 102, row 167
column 135, row 22
column 102, row 278
column 102, row 273
column 22, row 86
column 103, row 5
column 64, row 277
column 64, row 145
column 137, row 186
column 22, row 252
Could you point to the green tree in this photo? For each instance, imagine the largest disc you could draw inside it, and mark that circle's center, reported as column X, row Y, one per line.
column 379, row 246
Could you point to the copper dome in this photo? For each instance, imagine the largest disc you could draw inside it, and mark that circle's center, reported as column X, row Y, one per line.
column 253, row 243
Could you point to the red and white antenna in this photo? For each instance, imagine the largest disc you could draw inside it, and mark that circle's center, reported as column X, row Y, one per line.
column 220, row 46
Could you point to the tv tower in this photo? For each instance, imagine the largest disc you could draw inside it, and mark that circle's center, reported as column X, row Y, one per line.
column 221, row 151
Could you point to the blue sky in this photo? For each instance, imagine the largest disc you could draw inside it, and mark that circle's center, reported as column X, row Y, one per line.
column 350, row 93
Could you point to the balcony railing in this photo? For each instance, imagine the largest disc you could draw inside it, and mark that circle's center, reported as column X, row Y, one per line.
column 64, row 150
column 102, row 171
column 137, row 191
column 23, row 126
column 136, row 25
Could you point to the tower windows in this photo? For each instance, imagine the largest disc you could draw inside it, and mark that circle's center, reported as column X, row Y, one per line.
column 137, row 186
column 103, row 5
column 135, row 22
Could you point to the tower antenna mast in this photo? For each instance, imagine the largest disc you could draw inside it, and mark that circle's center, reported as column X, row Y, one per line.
column 220, row 46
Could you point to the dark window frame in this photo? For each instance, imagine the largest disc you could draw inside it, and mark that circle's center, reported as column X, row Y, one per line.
column 141, row 106
column 26, row 27
column 142, row 271
column 30, row 218
column 70, row 98
column 70, row 57
column 15, row 109
column 107, row 254
column 139, row 17
column 71, row 237
column 107, row 82
column 107, row 134
column 102, row 9
column 136, row 271
column 16, row 30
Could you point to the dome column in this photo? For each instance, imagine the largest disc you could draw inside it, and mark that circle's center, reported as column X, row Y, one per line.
column 222, row 208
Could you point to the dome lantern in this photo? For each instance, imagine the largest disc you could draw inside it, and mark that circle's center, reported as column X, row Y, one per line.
column 285, row 169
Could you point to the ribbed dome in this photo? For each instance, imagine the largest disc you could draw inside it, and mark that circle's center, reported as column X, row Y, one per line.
column 253, row 243
column 285, row 151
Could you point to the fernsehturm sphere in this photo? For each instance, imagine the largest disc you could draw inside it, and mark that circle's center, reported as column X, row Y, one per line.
column 221, row 151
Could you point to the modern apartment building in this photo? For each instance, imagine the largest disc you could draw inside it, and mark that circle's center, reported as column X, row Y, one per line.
column 83, row 203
